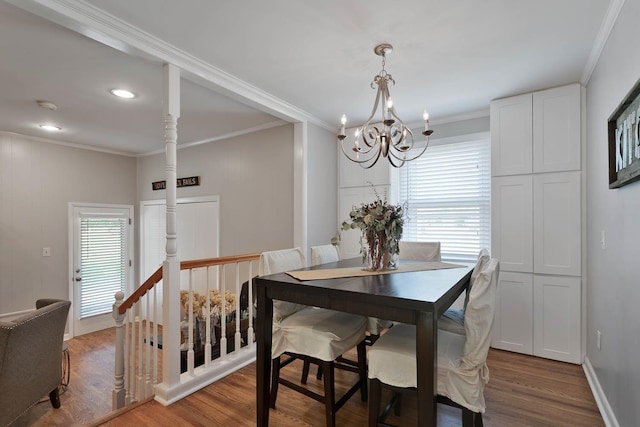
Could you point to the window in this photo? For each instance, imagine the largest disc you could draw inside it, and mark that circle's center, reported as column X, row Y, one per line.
column 448, row 196
column 104, row 260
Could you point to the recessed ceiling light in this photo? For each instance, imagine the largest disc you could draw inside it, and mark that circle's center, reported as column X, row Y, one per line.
column 51, row 128
column 122, row 93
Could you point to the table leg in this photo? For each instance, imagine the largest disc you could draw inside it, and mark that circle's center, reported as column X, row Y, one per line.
column 263, row 354
column 426, row 361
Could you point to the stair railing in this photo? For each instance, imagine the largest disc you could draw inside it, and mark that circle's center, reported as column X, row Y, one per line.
column 139, row 334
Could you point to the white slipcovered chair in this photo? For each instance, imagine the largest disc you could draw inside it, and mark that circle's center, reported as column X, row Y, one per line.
column 316, row 335
column 422, row 251
column 324, row 253
column 462, row 370
column 453, row 319
column 417, row 251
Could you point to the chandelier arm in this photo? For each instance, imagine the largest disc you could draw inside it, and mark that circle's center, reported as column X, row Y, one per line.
column 408, row 159
column 375, row 160
column 367, row 155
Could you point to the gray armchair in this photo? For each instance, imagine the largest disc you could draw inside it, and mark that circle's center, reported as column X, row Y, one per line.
column 31, row 358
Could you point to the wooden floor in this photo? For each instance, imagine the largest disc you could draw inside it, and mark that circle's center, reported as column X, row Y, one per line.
column 523, row 391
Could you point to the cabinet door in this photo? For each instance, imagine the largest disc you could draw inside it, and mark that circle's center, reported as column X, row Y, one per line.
column 354, row 175
column 513, row 322
column 557, row 224
column 511, row 135
column 512, row 222
column 556, row 327
column 556, row 129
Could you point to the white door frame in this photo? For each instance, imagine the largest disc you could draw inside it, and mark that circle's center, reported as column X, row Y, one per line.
column 71, row 276
column 182, row 200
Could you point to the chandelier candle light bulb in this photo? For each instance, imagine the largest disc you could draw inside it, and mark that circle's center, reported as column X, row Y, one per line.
column 387, row 137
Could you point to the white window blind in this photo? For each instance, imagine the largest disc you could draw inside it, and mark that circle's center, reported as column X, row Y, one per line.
column 103, row 260
column 448, row 195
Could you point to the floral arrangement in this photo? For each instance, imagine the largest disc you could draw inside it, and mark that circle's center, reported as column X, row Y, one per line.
column 381, row 225
column 215, row 303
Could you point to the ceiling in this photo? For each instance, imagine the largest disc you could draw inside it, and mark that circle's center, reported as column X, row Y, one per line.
column 249, row 65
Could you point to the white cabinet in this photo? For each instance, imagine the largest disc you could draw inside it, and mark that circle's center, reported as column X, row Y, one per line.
column 354, row 175
column 511, row 135
column 536, row 222
column 556, row 129
column 513, row 324
column 556, row 302
column 557, row 226
column 535, row 133
column 512, row 222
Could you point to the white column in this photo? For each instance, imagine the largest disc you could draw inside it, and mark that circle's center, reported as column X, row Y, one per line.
column 300, row 182
column 171, row 266
column 118, row 392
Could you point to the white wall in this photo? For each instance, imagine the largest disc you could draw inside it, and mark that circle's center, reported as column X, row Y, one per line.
column 613, row 275
column 252, row 174
column 37, row 181
column 322, row 186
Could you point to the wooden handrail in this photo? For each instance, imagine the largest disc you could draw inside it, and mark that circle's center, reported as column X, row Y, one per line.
column 184, row 265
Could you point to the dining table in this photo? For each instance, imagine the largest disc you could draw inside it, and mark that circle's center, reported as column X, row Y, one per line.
column 417, row 293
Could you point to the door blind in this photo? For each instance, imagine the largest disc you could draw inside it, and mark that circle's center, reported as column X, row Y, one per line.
column 448, row 196
column 103, row 260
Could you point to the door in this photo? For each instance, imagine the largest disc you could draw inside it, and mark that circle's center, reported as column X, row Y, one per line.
column 198, row 238
column 102, row 264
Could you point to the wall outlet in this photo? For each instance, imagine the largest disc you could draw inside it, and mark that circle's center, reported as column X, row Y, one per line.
column 603, row 241
column 46, row 251
column 599, row 340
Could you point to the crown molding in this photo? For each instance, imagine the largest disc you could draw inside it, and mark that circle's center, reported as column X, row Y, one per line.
column 107, row 29
column 609, row 21
column 221, row 137
column 67, row 144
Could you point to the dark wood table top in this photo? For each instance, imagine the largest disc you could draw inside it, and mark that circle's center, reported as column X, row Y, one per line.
column 398, row 293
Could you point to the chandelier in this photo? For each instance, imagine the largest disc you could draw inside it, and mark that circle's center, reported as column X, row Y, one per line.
column 387, row 137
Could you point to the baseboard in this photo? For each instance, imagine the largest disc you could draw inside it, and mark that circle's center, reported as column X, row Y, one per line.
column 608, row 416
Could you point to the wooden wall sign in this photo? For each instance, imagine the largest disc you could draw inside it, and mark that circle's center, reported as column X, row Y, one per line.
column 624, row 140
column 181, row 182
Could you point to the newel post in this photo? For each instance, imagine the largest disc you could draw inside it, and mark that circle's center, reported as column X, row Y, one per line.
column 119, row 392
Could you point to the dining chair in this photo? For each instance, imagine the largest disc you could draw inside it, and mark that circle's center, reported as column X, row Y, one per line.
column 453, row 318
column 316, row 335
column 417, row 251
column 324, row 253
column 422, row 251
column 462, row 372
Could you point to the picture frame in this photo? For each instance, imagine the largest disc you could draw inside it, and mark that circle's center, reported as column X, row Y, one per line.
column 624, row 140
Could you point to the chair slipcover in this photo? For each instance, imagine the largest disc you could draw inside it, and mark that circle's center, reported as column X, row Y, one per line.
column 297, row 328
column 417, row 251
column 279, row 261
column 423, row 251
column 324, row 253
column 453, row 319
column 462, row 369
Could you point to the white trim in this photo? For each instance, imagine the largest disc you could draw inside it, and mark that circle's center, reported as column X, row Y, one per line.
column 204, row 376
column 70, row 230
column 609, row 21
column 608, row 416
column 67, row 144
column 477, row 136
column 300, row 181
column 221, row 137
